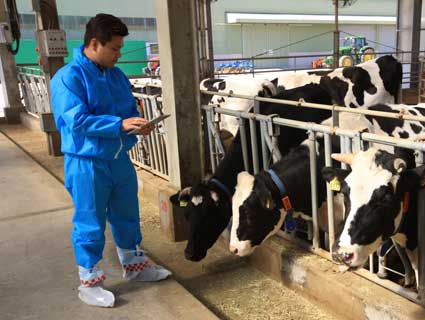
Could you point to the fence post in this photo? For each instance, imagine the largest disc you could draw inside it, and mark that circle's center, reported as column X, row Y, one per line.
column 313, row 177
column 421, row 237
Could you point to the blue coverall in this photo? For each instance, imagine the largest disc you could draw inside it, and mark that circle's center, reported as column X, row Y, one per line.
column 89, row 106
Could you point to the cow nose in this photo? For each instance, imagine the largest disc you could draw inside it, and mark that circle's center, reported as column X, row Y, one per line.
column 347, row 256
column 233, row 250
column 343, row 257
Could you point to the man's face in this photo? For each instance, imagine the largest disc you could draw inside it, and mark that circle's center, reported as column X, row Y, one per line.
column 107, row 55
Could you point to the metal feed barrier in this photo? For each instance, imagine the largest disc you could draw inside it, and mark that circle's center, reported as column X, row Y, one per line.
column 150, row 152
column 33, row 88
column 351, row 141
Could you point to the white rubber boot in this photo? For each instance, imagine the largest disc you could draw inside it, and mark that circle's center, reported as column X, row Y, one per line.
column 91, row 291
column 138, row 267
column 96, row 296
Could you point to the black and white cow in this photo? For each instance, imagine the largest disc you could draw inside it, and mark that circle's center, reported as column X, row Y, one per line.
column 253, row 222
column 380, row 202
column 372, row 82
column 261, row 202
column 208, row 204
column 396, row 127
column 237, row 84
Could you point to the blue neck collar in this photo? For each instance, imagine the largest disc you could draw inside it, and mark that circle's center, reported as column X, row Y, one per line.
column 279, row 184
column 284, row 202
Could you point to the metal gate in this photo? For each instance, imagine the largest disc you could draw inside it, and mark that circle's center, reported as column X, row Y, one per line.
column 150, row 152
column 33, row 88
column 351, row 141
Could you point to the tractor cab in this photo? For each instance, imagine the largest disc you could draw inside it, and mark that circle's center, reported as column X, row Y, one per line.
column 356, row 43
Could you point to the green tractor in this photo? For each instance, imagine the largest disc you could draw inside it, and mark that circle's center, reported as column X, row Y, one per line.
column 353, row 51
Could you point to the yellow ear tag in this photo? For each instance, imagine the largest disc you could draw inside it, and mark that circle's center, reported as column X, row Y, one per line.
column 183, row 203
column 335, row 184
column 268, row 203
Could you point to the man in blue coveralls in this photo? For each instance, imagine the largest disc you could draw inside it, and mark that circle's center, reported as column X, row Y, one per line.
column 94, row 111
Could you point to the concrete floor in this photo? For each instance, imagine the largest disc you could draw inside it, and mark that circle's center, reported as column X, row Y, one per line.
column 39, row 278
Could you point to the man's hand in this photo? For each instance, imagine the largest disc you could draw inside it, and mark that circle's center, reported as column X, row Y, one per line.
column 134, row 124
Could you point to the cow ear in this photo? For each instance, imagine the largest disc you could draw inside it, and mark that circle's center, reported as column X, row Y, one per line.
column 269, row 89
column 350, row 73
column 399, row 165
column 334, row 87
column 334, row 176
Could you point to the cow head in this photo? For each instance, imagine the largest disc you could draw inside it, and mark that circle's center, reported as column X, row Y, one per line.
column 374, row 196
column 208, row 212
column 255, row 214
column 250, row 86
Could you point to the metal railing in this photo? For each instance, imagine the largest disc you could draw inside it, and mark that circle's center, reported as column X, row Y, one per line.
column 33, row 88
column 150, row 152
column 351, row 141
column 421, row 86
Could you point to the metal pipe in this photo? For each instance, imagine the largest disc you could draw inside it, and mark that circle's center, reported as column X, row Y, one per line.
column 284, row 57
column 313, row 177
column 273, row 148
column 366, row 136
column 329, row 194
column 343, row 144
column 152, row 136
column 157, row 139
column 254, row 147
column 264, row 146
column 409, row 274
column 382, row 262
column 209, row 115
column 403, row 116
column 244, row 143
column 336, row 37
column 421, row 240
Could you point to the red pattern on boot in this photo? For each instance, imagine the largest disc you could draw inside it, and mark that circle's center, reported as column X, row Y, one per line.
column 136, row 267
column 92, row 282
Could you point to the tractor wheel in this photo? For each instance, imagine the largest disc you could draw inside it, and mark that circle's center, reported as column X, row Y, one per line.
column 346, row 61
column 368, row 54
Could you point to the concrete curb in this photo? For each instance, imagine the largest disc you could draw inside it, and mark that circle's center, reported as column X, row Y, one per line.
column 346, row 294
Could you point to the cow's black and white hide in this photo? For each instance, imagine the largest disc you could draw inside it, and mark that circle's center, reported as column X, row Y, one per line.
column 368, row 83
column 240, row 85
column 371, row 82
column 396, row 127
column 380, row 202
column 258, row 212
column 208, row 208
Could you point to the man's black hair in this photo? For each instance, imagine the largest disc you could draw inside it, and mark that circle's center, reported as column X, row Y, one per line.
column 102, row 27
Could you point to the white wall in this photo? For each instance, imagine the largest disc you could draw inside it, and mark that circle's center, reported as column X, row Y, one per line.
column 123, row 8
